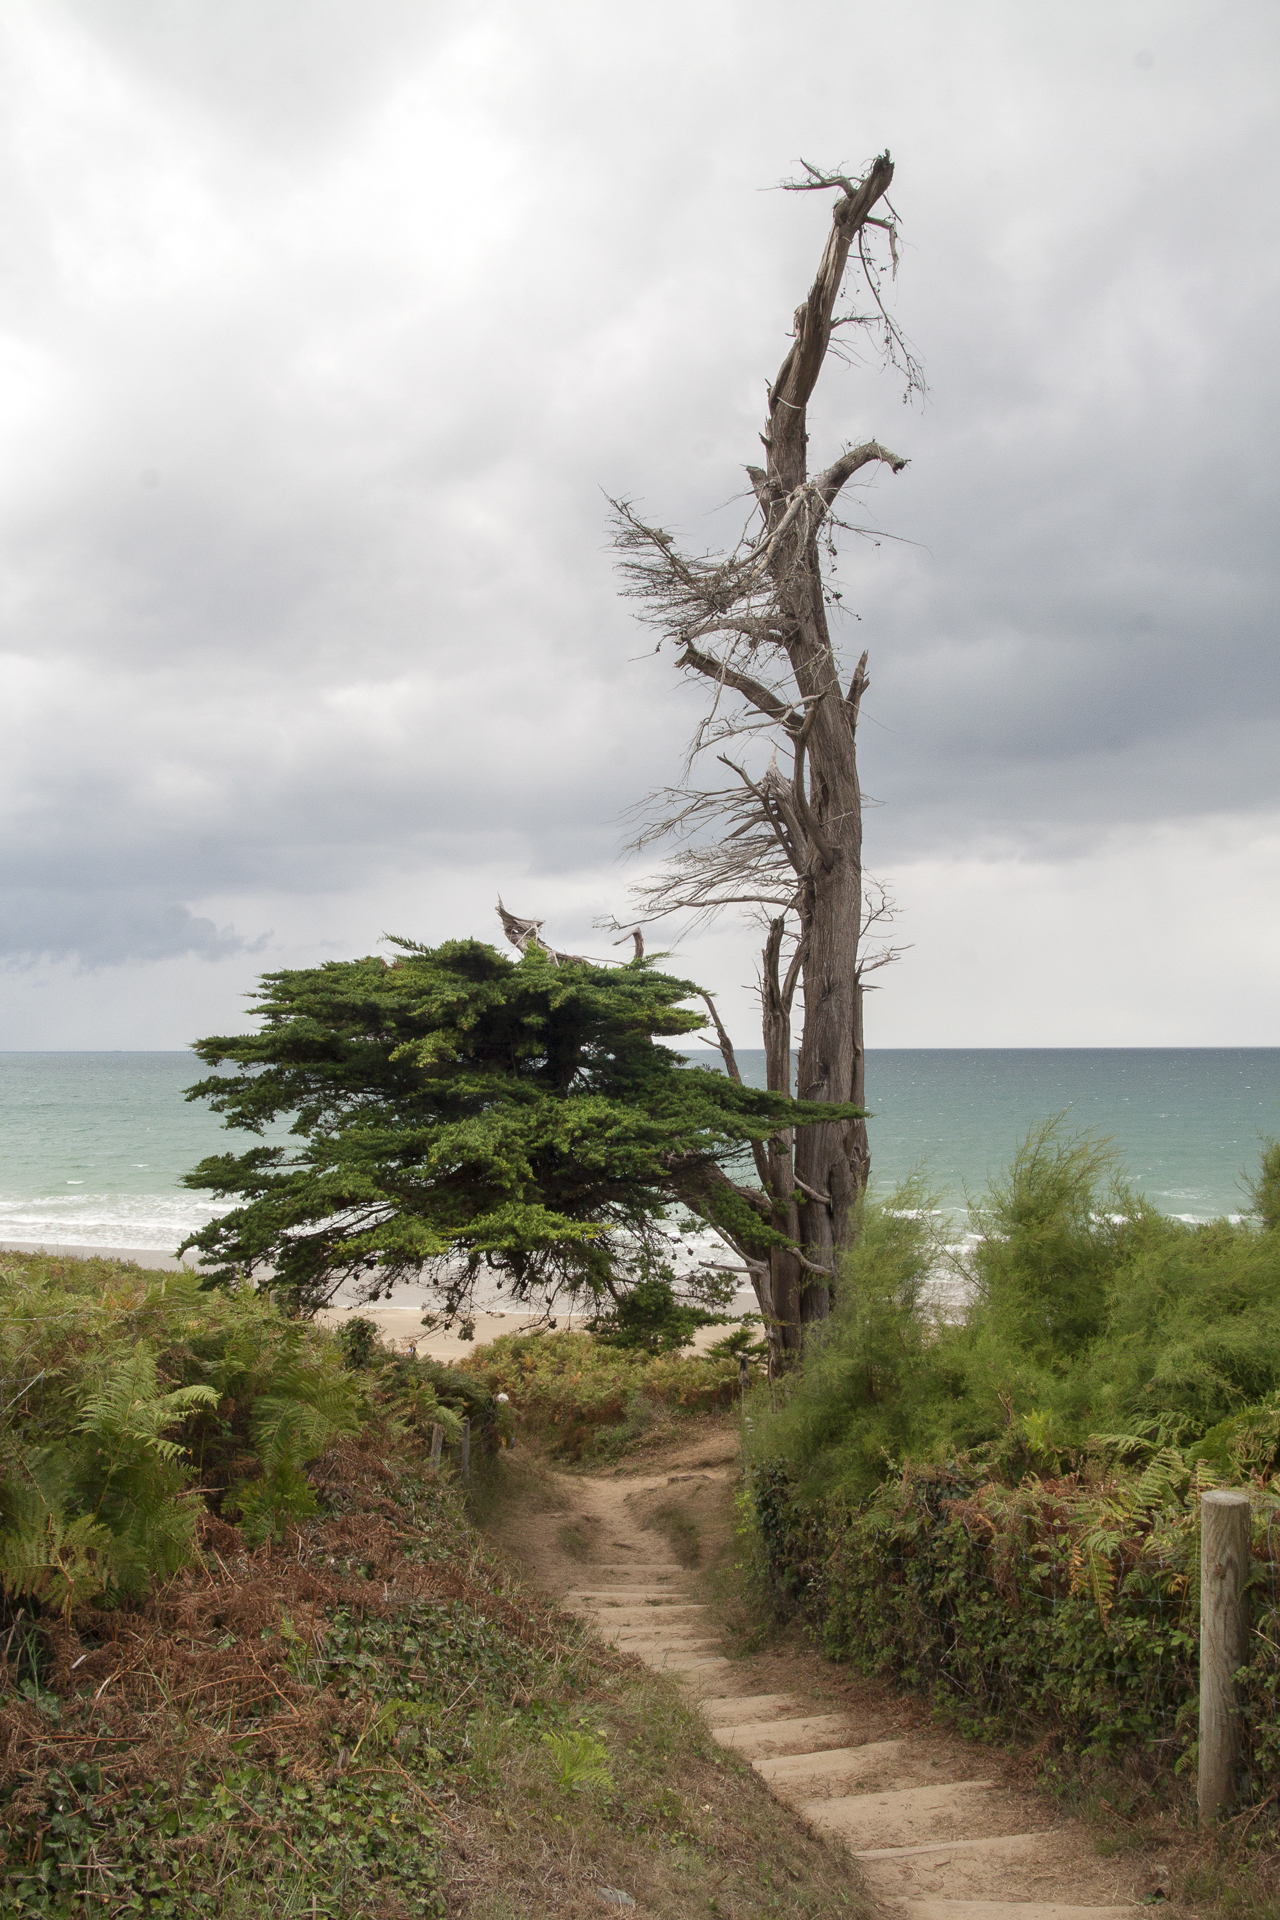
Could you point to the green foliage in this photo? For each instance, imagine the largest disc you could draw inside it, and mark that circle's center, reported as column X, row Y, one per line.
column 1265, row 1190
column 649, row 1319
column 1090, row 1314
column 455, row 1109
column 580, row 1760
column 570, row 1389
column 742, row 1341
column 136, row 1385
column 1058, row 1610
column 46, row 1556
column 1052, row 1235
column 1003, row 1509
column 197, row 1847
column 359, row 1339
column 1046, row 1607
column 865, row 1390
column 424, row 1393
column 305, row 1410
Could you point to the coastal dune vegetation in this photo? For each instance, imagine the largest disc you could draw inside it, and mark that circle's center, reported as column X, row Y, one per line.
column 1001, row 1506
column 256, row 1658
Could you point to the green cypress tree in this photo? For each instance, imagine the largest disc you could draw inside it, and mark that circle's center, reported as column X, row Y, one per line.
column 454, row 1111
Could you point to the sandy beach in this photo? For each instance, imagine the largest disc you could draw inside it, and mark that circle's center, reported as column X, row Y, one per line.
column 401, row 1326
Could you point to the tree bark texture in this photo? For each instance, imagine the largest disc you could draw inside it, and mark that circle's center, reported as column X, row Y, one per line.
column 756, row 626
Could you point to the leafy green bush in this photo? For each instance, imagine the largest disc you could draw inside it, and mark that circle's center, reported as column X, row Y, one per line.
column 871, row 1371
column 423, row 1392
column 1003, row 1510
column 1063, row 1610
column 569, row 1389
column 1265, row 1190
column 649, row 1319
column 125, row 1389
column 1089, row 1313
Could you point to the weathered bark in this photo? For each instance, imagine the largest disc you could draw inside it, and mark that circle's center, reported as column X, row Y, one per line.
column 755, row 625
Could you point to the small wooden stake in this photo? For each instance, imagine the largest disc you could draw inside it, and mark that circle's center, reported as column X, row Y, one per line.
column 466, row 1449
column 1224, row 1562
column 437, row 1441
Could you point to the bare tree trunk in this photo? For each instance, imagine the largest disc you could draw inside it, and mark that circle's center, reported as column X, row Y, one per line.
column 755, row 625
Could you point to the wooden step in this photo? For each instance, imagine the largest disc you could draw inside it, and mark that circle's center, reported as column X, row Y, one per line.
column 907, row 1817
column 746, row 1709
column 646, row 1569
column 996, row 1867
column 1006, row 1910
column 662, row 1642
column 1052, row 1866
column 677, row 1661
column 814, row 1776
column 615, row 1621
column 653, row 1613
column 761, row 1740
column 598, row 1599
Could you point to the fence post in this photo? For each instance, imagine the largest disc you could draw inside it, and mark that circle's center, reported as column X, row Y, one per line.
column 1224, row 1562
column 466, row 1449
column 437, row 1441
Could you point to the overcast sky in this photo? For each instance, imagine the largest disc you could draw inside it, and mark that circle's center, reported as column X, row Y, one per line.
column 327, row 324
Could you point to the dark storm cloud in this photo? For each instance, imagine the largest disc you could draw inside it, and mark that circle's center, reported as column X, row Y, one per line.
column 326, row 326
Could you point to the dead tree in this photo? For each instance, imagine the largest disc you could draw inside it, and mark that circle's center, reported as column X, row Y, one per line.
column 779, row 832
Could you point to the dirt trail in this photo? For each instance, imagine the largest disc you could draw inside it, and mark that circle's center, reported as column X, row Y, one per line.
column 943, row 1829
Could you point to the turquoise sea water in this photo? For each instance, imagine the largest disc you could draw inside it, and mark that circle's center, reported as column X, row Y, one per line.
column 93, row 1145
column 1189, row 1121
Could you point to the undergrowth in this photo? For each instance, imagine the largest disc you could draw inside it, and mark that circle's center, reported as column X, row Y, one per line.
column 354, row 1713
column 1002, row 1510
column 583, row 1398
column 134, row 1402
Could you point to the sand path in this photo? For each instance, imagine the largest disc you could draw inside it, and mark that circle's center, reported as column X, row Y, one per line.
column 943, row 1829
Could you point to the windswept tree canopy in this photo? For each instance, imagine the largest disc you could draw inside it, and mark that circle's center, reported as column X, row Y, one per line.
column 457, row 1112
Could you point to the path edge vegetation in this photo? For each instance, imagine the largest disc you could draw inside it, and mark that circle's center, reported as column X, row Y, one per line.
column 1000, row 1510
column 337, row 1695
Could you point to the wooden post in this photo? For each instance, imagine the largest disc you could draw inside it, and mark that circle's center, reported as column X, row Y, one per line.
column 437, row 1441
column 466, row 1449
column 1224, row 1562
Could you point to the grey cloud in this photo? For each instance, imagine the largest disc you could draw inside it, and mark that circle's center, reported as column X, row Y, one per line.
column 340, row 318
column 108, row 928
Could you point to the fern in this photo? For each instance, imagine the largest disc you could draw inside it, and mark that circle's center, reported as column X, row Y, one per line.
column 580, row 1760
column 310, row 1408
column 1125, row 1446
column 129, row 1416
column 99, row 1510
column 1162, row 1481
column 65, row 1562
column 132, row 1475
column 1093, row 1567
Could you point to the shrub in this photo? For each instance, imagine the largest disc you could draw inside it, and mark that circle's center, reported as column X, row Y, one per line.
column 1089, row 1313
column 569, row 1388
column 649, row 1319
column 126, row 1389
column 1004, row 1511
column 870, row 1370
column 1063, row 1610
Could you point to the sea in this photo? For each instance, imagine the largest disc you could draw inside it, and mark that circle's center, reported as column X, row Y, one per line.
column 93, row 1146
